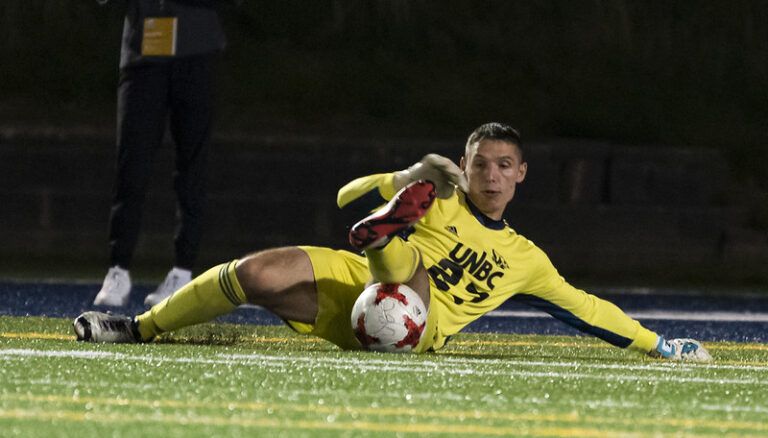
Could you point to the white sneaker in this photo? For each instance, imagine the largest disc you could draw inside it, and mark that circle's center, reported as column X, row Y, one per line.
column 116, row 288
column 174, row 281
column 682, row 350
column 103, row 327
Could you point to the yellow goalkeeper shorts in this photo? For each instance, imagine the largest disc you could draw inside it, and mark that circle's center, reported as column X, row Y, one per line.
column 340, row 277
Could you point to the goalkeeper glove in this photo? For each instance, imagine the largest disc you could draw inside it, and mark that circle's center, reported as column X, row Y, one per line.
column 681, row 349
column 443, row 172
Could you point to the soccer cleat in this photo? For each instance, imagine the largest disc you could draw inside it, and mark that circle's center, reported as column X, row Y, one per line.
column 174, row 281
column 116, row 288
column 689, row 350
column 409, row 205
column 103, row 327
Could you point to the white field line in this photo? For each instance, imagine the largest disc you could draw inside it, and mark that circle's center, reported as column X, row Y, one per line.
column 665, row 315
column 473, row 368
column 661, row 366
column 651, row 291
column 392, row 359
column 79, row 384
column 736, row 408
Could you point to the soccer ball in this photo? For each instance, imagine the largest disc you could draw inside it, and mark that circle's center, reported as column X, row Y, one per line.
column 389, row 318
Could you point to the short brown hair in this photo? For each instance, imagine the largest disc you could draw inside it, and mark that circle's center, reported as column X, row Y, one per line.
column 496, row 131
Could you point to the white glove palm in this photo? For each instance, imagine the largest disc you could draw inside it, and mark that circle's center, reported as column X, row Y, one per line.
column 443, row 172
column 682, row 350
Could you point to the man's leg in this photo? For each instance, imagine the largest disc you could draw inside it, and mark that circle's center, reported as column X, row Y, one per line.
column 141, row 111
column 399, row 262
column 282, row 280
column 408, row 205
column 191, row 105
column 390, row 258
column 141, row 108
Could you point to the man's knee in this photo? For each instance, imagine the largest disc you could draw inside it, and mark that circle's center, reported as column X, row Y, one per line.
column 258, row 273
column 267, row 274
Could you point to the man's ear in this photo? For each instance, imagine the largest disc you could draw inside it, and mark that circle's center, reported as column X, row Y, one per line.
column 462, row 163
column 522, row 171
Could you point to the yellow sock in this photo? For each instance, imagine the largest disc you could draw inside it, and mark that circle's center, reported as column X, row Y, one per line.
column 215, row 292
column 396, row 262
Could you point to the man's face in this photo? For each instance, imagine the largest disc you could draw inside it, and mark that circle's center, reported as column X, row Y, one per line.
column 493, row 168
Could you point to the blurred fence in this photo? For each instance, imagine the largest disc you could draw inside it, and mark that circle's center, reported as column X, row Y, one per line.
column 690, row 73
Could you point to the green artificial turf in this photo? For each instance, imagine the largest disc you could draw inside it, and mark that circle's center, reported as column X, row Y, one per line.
column 245, row 380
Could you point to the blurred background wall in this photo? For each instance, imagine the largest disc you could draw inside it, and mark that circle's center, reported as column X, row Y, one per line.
column 646, row 123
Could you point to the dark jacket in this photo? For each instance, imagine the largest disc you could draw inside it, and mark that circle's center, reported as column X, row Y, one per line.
column 199, row 30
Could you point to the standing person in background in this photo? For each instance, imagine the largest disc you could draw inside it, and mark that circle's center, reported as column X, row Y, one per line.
column 168, row 52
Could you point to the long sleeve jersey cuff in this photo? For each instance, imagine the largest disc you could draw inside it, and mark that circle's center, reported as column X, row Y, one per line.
column 355, row 189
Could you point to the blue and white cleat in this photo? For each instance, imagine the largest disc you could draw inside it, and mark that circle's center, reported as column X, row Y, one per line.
column 688, row 350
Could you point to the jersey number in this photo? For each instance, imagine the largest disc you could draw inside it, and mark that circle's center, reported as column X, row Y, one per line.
column 448, row 273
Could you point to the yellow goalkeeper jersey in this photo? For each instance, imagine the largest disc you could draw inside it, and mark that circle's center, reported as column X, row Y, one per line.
column 476, row 263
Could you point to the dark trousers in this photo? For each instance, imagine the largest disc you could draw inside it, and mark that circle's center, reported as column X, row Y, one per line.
column 177, row 93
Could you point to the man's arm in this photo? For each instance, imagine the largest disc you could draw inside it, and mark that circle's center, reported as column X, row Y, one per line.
column 443, row 172
column 376, row 189
column 598, row 317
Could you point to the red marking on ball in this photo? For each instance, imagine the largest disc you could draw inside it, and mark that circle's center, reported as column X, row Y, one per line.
column 360, row 333
column 390, row 291
column 414, row 333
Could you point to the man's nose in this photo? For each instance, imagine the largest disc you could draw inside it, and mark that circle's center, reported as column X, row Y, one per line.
column 492, row 173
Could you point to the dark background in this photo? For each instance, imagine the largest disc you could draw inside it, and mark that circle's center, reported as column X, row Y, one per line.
column 645, row 121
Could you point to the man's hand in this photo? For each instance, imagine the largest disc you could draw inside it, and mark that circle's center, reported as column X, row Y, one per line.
column 443, row 172
column 682, row 350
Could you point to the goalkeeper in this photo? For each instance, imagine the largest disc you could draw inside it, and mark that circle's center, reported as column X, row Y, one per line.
column 441, row 233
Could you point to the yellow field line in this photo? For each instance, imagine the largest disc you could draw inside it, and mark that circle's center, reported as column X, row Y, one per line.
column 37, row 335
column 20, row 414
column 62, row 337
column 303, row 424
column 262, row 407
